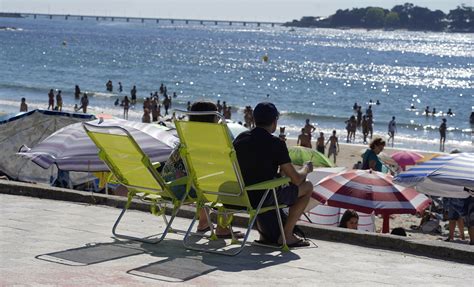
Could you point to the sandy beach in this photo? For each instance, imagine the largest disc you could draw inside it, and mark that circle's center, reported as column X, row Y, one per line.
column 351, row 153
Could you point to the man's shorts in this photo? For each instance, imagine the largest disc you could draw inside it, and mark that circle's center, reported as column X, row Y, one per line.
column 456, row 208
column 469, row 209
column 286, row 195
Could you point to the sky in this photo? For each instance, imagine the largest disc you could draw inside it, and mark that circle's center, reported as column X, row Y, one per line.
column 249, row 10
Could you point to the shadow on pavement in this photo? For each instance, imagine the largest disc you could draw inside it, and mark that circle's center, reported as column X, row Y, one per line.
column 182, row 265
column 93, row 253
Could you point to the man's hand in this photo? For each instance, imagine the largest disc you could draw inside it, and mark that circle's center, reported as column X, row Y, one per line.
column 309, row 166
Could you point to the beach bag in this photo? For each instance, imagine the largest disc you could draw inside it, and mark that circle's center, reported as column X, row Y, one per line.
column 268, row 227
column 431, row 226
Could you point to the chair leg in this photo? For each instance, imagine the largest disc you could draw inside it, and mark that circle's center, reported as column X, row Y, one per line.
column 280, row 222
column 151, row 241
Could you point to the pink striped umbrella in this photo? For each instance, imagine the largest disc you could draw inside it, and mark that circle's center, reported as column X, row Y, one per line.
column 369, row 191
column 404, row 158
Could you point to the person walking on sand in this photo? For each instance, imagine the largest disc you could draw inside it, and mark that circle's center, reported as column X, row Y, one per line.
column 51, row 99
column 166, row 104
column 23, row 105
column 84, row 103
column 333, row 142
column 392, row 129
column 309, row 129
column 442, row 134
column 304, row 139
column 320, row 143
column 126, row 106
column 59, row 101
column 260, row 156
column 365, row 128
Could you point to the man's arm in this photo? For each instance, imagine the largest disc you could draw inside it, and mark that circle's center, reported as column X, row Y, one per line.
column 297, row 176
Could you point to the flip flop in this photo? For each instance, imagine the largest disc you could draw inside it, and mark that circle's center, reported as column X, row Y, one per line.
column 237, row 235
column 204, row 230
column 299, row 243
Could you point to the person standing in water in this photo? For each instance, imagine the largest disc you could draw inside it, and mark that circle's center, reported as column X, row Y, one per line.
column 59, row 101
column 51, row 99
column 120, row 87
column 77, row 92
column 126, row 106
column 23, row 105
column 84, row 103
column 133, row 95
column 442, row 134
column 309, row 128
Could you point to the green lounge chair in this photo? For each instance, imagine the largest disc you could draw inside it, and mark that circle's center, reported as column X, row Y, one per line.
column 133, row 169
column 211, row 163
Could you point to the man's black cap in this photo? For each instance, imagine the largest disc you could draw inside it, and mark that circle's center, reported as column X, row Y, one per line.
column 265, row 113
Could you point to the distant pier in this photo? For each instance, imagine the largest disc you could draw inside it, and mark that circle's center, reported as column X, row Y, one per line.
column 147, row 19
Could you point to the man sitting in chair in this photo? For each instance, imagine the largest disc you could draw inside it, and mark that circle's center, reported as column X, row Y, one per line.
column 260, row 155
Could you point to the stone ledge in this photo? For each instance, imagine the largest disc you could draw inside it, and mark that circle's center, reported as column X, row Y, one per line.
column 428, row 248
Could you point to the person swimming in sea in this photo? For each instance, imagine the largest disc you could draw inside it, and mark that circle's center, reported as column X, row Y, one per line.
column 427, row 110
column 433, row 113
column 449, row 113
column 412, row 107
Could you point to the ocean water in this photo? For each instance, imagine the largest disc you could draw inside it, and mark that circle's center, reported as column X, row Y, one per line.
column 311, row 73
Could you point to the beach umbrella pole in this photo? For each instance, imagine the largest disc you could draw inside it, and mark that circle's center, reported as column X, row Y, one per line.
column 386, row 223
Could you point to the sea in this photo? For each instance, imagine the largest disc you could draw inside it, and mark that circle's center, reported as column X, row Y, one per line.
column 315, row 74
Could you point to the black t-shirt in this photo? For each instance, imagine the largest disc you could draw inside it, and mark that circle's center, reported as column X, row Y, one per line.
column 259, row 154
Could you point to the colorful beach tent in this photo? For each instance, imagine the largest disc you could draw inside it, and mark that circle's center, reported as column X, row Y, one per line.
column 370, row 191
column 445, row 175
column 299, row 155
column 71, row 149
column 30, row 128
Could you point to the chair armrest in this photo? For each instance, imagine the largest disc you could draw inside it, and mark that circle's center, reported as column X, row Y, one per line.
column 269, row 184
column 180, row 181
column 156, row 164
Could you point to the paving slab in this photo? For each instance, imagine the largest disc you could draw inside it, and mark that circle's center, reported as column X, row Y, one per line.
column 73, row 246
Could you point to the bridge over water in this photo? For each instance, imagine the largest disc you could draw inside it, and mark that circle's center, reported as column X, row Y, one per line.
column 147, row 19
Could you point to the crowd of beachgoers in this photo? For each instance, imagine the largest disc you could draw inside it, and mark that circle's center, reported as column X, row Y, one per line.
column 158, row 108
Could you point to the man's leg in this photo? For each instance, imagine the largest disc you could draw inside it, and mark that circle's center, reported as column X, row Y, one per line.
column 296, row 210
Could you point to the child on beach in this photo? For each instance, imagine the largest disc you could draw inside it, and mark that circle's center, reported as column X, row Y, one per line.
column 23, row 105
column 320, row 143
column 350, row 219
column 333, row 145
column 304, row 139
column 442, row 135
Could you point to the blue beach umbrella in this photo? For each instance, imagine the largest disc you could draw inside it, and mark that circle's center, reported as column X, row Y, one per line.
column 448, row 175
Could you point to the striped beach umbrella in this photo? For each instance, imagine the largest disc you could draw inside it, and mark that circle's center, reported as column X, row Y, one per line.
column 369, row 191
column 71, row 149
column 445, row 175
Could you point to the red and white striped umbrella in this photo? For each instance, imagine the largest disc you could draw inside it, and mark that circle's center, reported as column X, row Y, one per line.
column 369, row 191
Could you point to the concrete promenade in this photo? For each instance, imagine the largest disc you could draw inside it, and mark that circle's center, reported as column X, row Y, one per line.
column 50, row 242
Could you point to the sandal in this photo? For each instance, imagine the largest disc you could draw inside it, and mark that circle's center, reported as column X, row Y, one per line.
column 204, row 230
column 299, row 243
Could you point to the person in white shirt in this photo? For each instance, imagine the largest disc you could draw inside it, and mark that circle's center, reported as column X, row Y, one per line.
column 392, row 129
